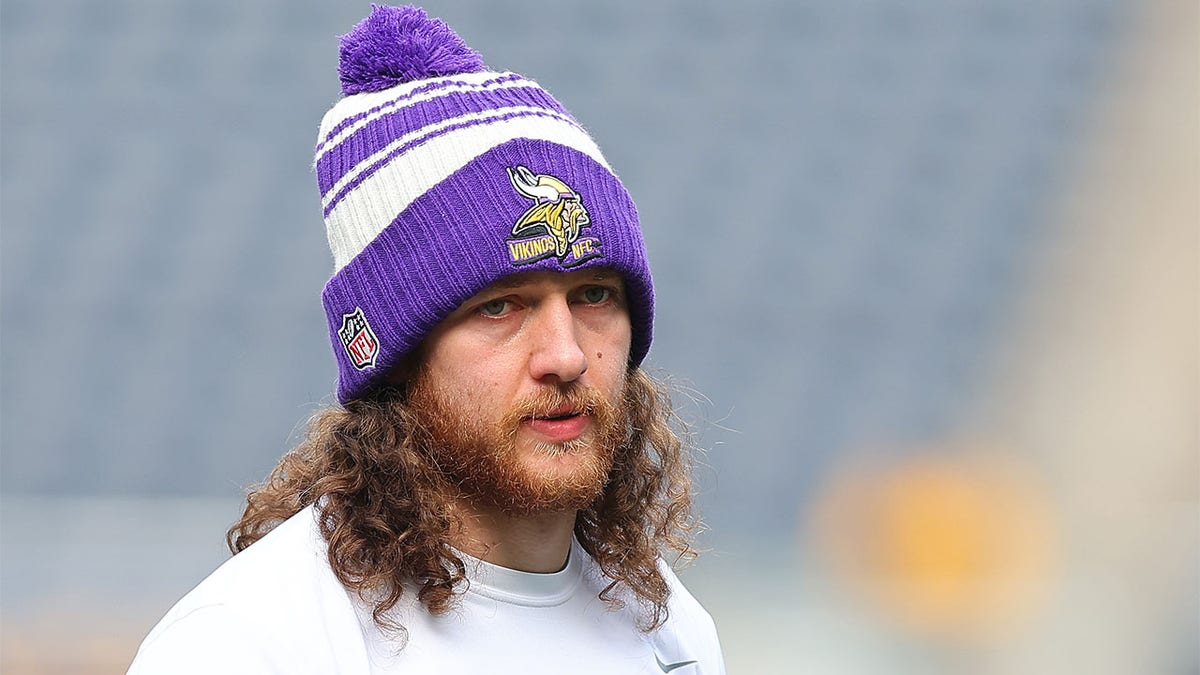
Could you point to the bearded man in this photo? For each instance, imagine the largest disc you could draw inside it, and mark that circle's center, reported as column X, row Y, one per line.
column 500, row 480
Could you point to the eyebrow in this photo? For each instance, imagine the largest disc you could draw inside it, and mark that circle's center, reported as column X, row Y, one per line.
column 522, row 278
column 512, row 281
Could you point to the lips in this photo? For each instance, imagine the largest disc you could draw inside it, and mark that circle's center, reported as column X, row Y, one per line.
column 560, row 424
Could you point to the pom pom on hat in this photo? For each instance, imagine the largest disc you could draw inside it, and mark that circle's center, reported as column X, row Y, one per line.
column 394, row 45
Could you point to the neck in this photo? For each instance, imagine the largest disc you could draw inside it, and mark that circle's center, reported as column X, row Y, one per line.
column 537, row 543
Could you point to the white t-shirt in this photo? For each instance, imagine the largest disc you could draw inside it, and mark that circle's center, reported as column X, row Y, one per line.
column 278, row 608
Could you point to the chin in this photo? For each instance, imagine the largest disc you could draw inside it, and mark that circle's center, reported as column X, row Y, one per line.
column 574, row 447
column 557, row 477
column 564, row 463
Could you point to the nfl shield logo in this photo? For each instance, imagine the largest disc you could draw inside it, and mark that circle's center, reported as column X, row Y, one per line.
column 359, row 340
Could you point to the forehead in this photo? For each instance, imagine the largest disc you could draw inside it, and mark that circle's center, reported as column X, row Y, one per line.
column 550, row 279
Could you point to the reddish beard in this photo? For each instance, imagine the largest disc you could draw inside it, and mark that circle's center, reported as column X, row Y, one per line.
column 484, row 461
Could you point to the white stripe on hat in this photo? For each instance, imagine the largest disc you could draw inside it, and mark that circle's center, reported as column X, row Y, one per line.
column 353, row 174
column 356, row 104
column 389, row 103
column 371, row 206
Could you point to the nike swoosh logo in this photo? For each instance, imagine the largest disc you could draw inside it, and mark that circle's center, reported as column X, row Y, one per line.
column 668, row 667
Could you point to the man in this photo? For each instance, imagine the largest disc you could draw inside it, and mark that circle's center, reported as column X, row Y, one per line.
column 500, row 481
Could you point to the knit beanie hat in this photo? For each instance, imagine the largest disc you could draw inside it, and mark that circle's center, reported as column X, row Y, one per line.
column 438, row 177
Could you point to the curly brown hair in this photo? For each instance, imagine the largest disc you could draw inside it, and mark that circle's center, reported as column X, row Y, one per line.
column 386, row 508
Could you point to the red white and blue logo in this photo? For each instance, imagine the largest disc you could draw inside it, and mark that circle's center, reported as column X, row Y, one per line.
column 359, row 340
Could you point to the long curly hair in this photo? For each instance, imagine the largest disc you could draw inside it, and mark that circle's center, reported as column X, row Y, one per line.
column 385, row 508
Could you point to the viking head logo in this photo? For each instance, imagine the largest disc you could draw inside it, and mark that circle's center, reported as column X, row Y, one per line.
column 556, row 207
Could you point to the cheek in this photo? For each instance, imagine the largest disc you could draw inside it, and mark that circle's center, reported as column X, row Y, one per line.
column 475, row 378
column 608, row 362
column 466, row 383
column 620, row 345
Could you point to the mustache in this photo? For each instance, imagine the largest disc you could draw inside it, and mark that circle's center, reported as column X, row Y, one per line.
column 558, row 401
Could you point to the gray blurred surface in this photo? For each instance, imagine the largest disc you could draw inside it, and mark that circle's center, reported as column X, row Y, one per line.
column 836, row 198
column 842, row 202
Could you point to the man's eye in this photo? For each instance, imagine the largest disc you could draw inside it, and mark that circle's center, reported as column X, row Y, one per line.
column 494, row 308
column 596, row 294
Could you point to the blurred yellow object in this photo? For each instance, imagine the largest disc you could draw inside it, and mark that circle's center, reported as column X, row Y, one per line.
column 948, row 545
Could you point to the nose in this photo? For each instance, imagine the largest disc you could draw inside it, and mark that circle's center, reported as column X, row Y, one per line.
column 556, row 351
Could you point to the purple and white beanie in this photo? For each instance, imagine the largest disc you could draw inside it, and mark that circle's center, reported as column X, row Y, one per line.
column 439, row 177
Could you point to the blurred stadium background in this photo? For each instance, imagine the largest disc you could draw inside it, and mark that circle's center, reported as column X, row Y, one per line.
column 927, row 278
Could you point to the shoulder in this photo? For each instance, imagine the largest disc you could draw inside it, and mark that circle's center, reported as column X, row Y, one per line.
column 688, row 634
column 685, row 610
column 201, row 639
column 278, row 599
column 689, row 631
column 281, row 570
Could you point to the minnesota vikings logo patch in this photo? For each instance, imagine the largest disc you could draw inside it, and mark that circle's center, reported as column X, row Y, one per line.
column 552, row 226
column 359, row 340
